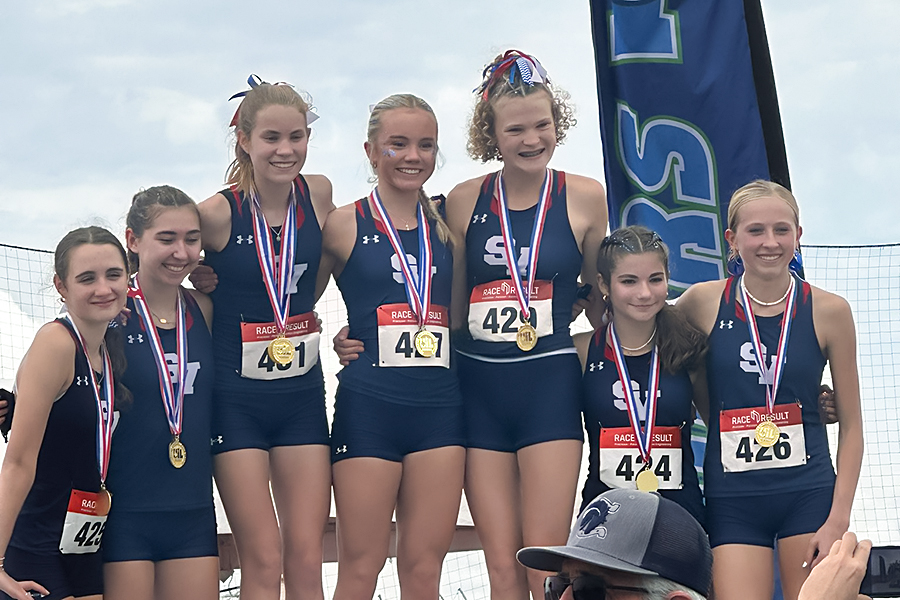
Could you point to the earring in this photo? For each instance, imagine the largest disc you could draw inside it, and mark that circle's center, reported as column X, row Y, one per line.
column 735, row 266
column 374, row 165
column 607, row 310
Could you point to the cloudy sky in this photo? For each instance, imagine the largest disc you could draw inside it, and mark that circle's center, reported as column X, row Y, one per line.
column 103, row 97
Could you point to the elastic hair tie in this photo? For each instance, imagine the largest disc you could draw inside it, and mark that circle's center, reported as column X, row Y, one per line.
column 254, row 81
column 529, row 68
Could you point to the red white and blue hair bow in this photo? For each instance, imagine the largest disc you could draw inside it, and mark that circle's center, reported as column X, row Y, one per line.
column 528, row 67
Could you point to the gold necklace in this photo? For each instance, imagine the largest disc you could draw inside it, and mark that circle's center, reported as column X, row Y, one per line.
column 760, row 302
column 642, row 346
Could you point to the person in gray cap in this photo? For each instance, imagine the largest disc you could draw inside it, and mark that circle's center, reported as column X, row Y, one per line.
column 628, row 544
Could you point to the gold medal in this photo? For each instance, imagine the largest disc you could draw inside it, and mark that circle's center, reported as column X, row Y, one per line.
column 426, row 343
column 767, row 433
column 281, row 350
column 177, row 453
column 526, row 337
column 104, row 501
column 647, row 481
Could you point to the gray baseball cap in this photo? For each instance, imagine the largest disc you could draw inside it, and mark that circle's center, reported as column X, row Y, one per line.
column 635, row 532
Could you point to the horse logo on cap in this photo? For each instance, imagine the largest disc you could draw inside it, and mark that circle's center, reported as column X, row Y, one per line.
column 594, row 517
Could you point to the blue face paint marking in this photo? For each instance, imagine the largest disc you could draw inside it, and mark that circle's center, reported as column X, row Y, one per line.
column 389, row 152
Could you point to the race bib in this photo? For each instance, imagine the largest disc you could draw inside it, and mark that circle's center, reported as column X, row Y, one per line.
column 83, row 528
column 494, row 314
column 740, row 450
column 621, row 461
column 397, row 328
column 301, row 331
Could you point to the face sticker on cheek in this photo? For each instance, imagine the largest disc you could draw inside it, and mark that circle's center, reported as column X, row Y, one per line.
column 389, row 152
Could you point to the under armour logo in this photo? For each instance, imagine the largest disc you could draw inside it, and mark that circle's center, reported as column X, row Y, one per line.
column 596, row 366
column 475, row 218
column 374, row 239
column 241, row 239
column 81, row 380
column 723, row 324
column 341, row 450
column 215, row 440
column 139, row 338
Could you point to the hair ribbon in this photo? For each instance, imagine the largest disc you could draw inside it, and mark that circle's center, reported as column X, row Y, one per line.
column 255, row 80
column 529, row 68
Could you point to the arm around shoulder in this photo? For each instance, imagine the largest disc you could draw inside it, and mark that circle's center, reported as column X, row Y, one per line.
column 320, row 191
column 215, row 222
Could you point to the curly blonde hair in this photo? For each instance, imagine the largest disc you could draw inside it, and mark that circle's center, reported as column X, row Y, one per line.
column 482, row 142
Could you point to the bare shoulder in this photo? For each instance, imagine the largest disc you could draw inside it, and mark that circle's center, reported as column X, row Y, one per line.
column 320, row 190
column 53, row 346
column 586, row 188
column 829, row 303
column 700, row 303
column 832, row 316
column 460, row 204
column 339, row 233
column 215, row 222
column 205, row 304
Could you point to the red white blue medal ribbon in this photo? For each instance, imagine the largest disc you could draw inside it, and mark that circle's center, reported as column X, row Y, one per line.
column 781, row 356
column 105, row 402
column 523, row 294
column 644, row 437
column 173, row 401
column 277, row 274
column 418, row 287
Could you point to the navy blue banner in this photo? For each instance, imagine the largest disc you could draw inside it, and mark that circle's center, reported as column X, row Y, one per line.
column 688, row 114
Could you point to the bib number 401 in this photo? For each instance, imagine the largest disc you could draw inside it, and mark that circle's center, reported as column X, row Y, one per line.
column 266, row 362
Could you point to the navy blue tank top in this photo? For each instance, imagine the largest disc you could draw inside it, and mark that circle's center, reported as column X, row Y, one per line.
column 371, row 278
column 605, row 406
column 67, row 460
column 140, row 473
column 734, row 382
column 241, row 295
column 559, row 261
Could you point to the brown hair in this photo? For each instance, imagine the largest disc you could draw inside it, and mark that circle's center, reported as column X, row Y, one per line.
column 374, row 127
column 240, row 172
column 482, row 142
column 146, row 206
column 113, row 337
column 680, row 344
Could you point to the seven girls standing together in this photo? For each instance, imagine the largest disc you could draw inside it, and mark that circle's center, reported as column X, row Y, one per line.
column 496, row 267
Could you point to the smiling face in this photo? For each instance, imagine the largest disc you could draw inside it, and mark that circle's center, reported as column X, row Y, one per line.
column 404, row 150
column 525, row 131
column 95, row 282
column 169, row 247
column 765, row 235
column 277, row 144
column 638, row 287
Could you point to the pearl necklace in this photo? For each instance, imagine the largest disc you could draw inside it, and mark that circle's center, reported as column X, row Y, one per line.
column 642, row 346
column 760, row 302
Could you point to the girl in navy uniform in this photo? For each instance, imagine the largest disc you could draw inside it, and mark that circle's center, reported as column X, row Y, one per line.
column 768, row 473
column 397, row 437
column 160, row 539
column 649, row 343
column 517, row 366
column 53, row 495
column 262, row 236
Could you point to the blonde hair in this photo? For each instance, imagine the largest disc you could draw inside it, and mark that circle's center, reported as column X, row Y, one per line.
column 393, row 102
column 240, row 172
column 482, row 142
column 756, row 190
